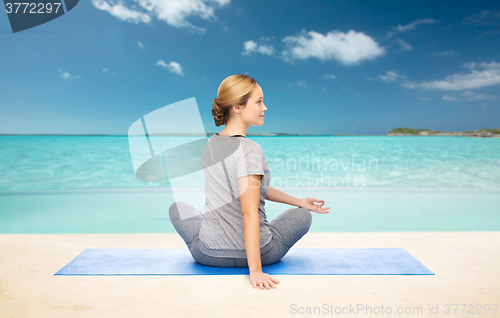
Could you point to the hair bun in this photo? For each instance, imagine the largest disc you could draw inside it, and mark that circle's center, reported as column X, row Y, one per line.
column 218, row 113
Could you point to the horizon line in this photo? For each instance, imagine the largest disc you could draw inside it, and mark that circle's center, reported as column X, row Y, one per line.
column 195, row 134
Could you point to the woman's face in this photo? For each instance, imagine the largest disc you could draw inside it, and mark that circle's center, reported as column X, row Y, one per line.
column 253, row 112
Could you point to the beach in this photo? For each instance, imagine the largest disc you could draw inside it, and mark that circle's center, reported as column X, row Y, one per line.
column 465, row 266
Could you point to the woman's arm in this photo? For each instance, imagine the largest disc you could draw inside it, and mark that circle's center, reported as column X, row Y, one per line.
column 249, row 188
column 249, row 191
column 281, row 197
column 306, row 203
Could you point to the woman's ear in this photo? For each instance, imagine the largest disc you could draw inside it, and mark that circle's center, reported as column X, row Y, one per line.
column 236, row 109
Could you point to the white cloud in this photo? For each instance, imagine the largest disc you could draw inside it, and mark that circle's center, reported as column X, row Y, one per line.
column 173, row 12
column 67, row 75
column 481, row 75
column 489, row 19
column 414, row 24
column 470, row 65
column 140, row 44
column 173, row 67
column 449, row 98
column 391, row 76
column 106, row 70
column 348, row 48
column 299, row 83
column 468, row 96
column 484, row 18
column 121, row 12
column 330, row 76
column 252, row 47
column 472, row 107
column 404, row 28
column 444, row 53
column 267, row 38
column 403, row 45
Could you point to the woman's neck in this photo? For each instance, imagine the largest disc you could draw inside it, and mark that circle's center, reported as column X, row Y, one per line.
column 231, row 131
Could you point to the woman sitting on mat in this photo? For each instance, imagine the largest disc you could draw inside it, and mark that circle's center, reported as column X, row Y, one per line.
column 234, row 231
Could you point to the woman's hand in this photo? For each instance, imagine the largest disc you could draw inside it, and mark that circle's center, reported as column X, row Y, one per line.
column 309, row 203
column 260, row 279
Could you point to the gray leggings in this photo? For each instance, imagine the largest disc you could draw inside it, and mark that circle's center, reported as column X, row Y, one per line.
column 287, row 228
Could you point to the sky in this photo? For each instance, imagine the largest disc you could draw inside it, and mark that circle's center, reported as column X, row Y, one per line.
column 325, row 67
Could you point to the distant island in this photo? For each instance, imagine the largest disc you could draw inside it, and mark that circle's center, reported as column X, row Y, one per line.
column 394, row 132
column 427, row 132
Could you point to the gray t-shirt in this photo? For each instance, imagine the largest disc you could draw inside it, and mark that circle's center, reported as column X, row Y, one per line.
column 225, row 159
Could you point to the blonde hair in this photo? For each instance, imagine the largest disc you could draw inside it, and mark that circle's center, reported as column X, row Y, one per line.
column 234, row 90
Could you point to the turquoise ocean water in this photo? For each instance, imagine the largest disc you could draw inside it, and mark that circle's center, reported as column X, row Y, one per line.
column 86, row 184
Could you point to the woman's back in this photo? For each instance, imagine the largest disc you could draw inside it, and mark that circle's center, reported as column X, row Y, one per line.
column 225, row 159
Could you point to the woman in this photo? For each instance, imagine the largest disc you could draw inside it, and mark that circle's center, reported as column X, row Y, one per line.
column 234, row 231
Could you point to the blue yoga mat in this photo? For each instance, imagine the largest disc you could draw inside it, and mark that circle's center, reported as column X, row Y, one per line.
column 298, row 261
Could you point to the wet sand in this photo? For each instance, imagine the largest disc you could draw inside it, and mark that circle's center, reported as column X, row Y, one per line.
column 466, row 265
